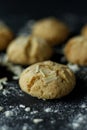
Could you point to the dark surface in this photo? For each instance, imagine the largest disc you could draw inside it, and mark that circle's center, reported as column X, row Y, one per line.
column 64, row 112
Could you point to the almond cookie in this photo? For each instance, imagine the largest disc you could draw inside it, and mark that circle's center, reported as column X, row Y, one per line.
column 76, row 50
column 28, row 50
column 84, row 31
column 51, row 30
column 47, row 80
column 6, row 36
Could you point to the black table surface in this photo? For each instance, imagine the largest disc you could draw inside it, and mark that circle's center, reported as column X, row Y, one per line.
column 67, row 113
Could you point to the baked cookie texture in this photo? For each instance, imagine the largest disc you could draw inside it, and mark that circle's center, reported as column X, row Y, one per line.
column 51, row 30
column 76, row 50
column 47, row 80
column 84, row 30
column 28, row 50
column 6, row 35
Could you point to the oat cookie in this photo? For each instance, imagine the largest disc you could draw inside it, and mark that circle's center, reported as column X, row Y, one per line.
column 51, row 29
column 6, row 36
column 76, row 50
column 28, row 50
column 84, row 30
column 47, row 80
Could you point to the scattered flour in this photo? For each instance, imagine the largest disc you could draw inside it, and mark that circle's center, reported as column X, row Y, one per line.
column 3, row 80
column 25, row 127
column 26, row 30
column 73, row 67
column 78, row 121
column 16, row 69
column 5, row 92
column 33, row 112
column 83, row 106
column 4, row 127
column 48, row 110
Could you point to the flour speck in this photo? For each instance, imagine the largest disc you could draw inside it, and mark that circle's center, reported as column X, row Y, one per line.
column 36, row 121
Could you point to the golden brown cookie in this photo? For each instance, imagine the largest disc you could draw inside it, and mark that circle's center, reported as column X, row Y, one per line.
column 28, row 50
column 84, row 30
column 51, row 30
column 76, row 50
column 47, row 80
column 6, row 36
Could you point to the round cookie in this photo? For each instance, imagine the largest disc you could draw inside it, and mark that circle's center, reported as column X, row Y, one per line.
column 51, row 30
column 76, row 50
column 6, row 36
column 28, row 50
column 47, row 80
column 84, row 30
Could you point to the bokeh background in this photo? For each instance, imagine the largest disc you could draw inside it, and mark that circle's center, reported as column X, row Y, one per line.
column 17, row 12
column 42, row 8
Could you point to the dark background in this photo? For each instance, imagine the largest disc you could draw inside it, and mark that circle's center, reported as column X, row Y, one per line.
column 40, row 8
column 16, row 13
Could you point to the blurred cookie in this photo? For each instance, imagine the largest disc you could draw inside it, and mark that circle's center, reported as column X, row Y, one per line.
column 6, row 36
column 84, row 30
column 51, row 30
column 47, row 80
column 76, row 50
column 28, row 50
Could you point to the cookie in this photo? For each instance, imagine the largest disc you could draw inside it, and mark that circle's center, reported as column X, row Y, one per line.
column 28, row 50
column 6, row 36
column 47, row 80
column 84, row 30
column 52, row 30
column 76, row 50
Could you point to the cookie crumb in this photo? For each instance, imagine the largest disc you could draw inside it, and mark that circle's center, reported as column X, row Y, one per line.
column 36, row 121
column 8, row 113
column 1, row 87
column 1, row 108
column 22, row 106
column 27, row 109
column 52, row 122
column 15, row 77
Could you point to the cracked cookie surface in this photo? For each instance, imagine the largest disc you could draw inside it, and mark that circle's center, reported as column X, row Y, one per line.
column 28, row 50
column 47, row 80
